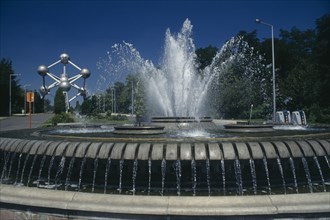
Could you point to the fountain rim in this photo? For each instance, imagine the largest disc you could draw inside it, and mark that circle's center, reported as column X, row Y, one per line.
column 180, row 119
column 78, row 202
column 138, row 139
column 138, row 130
column 236, row 126
column 143, row 127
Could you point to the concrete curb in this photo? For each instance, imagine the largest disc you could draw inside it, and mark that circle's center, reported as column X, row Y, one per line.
column 165, row 205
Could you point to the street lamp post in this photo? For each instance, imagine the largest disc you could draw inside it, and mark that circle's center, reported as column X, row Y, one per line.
column 26, row 85
column 273, row 64
column 11, row 75
column 132, row 98
column 113, row 89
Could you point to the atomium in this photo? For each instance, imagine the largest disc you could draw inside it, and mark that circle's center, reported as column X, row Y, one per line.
column 63, row 81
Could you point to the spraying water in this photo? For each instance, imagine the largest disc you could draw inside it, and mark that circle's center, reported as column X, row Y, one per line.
column 176, row 86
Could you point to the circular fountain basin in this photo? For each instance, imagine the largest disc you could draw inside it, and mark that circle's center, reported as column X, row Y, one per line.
column 180, row 119
column 253, row 128
column 139, row 130
column 258, row 175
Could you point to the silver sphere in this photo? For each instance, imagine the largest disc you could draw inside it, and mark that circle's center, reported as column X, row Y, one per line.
column 44, row 90
column 64, row 58
column 42, row 70
column 85, row 73
column 82, row 92
column 64, row 83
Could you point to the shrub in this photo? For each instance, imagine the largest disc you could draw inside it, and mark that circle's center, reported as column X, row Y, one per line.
column 59, row 102
column 62, row 118
column 118, row 117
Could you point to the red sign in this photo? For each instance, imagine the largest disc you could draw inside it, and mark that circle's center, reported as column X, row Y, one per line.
column 30, row 96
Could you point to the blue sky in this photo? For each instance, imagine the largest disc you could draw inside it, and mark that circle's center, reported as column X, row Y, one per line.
column 36, row 32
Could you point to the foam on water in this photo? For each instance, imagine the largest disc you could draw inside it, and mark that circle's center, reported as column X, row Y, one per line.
column 290, row 127
column 195, row 133
column 82, row 130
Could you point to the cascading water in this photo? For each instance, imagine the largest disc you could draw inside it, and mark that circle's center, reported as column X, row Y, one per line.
column 59, row 171
column 178, row 176
column 267, row 174
column 24, row 166
column 208, row 177
column 32, row 166
column 67, row 180
column 19, row 165
column 135, row 167
column 223, row 174
column 320, row 171
column 121, row 165
column 106, row 174
column 253, row 175
column 11, row 164
column 42, row 163
column 308, row 175
column 149, row 175
column 81, row 172
column 163, row 167
column 50, row 168
column 294, row 174
column 282, row 174
column 159, row 174
column 7, row 156
column 238, row 175
column 96, row 160
column 194, row 176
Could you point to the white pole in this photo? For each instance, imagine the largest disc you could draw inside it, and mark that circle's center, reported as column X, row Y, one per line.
column 273, row 65
column 24, row 100
column 273, row 61
column 250, row 113
column 113, row 109
column 10, row 95
column 114, row 89
column 132, row 99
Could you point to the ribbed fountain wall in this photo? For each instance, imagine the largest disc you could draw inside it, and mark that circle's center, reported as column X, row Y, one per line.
column 184, row 168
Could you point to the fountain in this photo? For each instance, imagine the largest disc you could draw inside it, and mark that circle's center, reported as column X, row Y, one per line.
column 81, row 174
column 175, row 87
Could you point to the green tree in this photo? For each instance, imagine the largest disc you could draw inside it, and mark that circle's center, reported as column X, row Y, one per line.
column 251, row 38
column 59, row 102
column 320, row 56
column 303, row 69
column 17, row 94
column 95, row 105
column 47, row 106
column 86, row 107
column 205, row 56
column 77, row 107
column 122, row 98
column 243, row 80
column 38, row 103
column 320, row 80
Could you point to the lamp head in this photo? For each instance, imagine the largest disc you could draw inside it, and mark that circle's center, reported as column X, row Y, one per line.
column 258, row 20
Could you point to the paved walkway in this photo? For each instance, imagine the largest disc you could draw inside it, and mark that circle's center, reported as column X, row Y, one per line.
column 17, row 122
